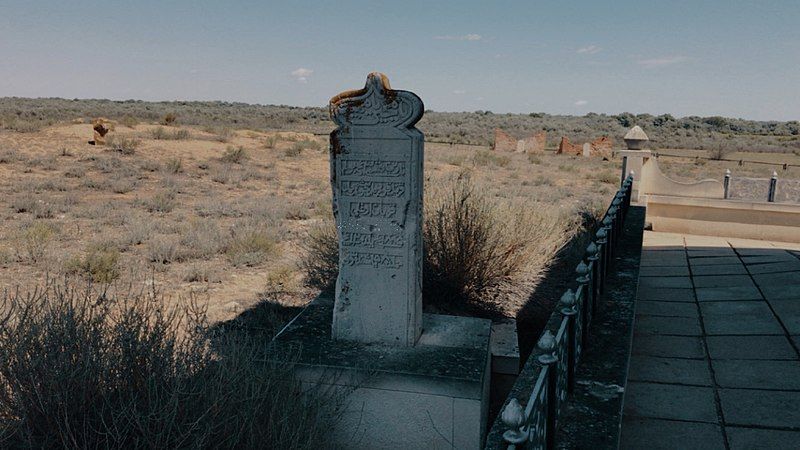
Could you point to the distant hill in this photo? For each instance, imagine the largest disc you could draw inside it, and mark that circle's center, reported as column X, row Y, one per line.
column 665, row 131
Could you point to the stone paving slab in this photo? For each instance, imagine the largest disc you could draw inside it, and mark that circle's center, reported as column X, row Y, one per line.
column 664, row 258
column 719, row 269
column 668, row 271
column 670, row 401
column 665, row 294
column 723, row 281
column 668, row 309
column 766, row 280
column 775, row 267
column 666, row 282
column 751, row 407
column 659, row 434
column 669, row 346
column 717, row 294
column 777, row 256
column 670, row 370
column 714, row 261
column 748, row 294
column 739, row 318
column 678, row 326
column 750, row 347
column 703, row 252
column 754, row 438
column 781, row 375
column 789, row 313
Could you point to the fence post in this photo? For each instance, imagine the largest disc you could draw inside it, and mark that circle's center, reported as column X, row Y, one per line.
column 569, row 309
column 548, row 359
column 602, row 250
column 727, row 183
column 593, row 258
column 773, row 183
column 583, row 280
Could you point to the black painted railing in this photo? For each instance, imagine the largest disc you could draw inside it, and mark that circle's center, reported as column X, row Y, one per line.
column 529, row 418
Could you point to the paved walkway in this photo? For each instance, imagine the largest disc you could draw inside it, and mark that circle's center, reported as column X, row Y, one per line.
column 716, row 348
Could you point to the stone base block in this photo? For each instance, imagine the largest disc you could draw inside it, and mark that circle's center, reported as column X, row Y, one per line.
column 432, row 395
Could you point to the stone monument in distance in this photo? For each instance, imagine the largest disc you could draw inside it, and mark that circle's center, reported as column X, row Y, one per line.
column 376, row 176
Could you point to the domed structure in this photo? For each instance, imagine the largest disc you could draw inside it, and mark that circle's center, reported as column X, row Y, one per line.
column 635, row 138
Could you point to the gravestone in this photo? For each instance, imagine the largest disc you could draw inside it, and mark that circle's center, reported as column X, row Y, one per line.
column 376, row 175
column 407, row 379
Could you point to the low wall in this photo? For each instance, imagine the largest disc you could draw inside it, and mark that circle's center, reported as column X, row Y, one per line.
column 729, row 218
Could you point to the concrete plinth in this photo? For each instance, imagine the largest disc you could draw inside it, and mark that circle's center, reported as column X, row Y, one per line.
column 432, row 395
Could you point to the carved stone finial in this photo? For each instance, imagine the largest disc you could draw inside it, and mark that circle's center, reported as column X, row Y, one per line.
column 376, row 105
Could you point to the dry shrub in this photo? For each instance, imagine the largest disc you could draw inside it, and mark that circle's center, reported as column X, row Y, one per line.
column 100, row 264
column 470, row 245
column 117, row 369
column 484, row 158
column 161, row 202
column 169, row 119
column 123, row 144
column 250, row 245
column 320, row 255
column 234, row 155
column 33, row 240
column 270, row 141
column 160, row 133
column 173, row 166
column 129, row 121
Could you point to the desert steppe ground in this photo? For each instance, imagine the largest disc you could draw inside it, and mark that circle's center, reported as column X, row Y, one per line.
column 221, row 218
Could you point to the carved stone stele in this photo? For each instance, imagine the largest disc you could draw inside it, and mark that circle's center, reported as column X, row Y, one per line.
column 376, row 158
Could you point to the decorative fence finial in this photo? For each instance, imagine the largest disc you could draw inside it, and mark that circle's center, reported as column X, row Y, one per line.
column 513, row 417
column 547, row 345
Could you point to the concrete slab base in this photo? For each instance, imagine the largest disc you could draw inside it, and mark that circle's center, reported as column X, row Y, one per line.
column 432, row 395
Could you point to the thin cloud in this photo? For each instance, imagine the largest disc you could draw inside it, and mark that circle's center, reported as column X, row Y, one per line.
column 459, row 92
column 589, row 50
column 466, row 37
column 661, row 62
column 302, row 74
column 581, row 103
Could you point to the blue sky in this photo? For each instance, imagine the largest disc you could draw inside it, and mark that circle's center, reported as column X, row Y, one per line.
column 731, row 58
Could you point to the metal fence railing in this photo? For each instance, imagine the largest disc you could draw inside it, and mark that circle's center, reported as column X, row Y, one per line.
column 530, row 414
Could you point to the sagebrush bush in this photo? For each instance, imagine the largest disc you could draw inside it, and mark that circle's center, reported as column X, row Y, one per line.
column 123, row 144
column 470, row 246
column 250, row 245
column 33, row 240
column 234, row 155
column 320, row 255
column 161, row 133
column 86, row 369
column 100, row 263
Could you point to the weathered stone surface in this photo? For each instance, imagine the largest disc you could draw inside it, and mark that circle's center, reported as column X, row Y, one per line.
column 602, row 147
column 587, row 150
column 376, row 175
column 657, row 434
column 504, row 142
column 760, row 408
column 534, row 143
column 670, row 401
column 567, row 148
column 101, row 128
column 635, row 138
column 432, row 395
